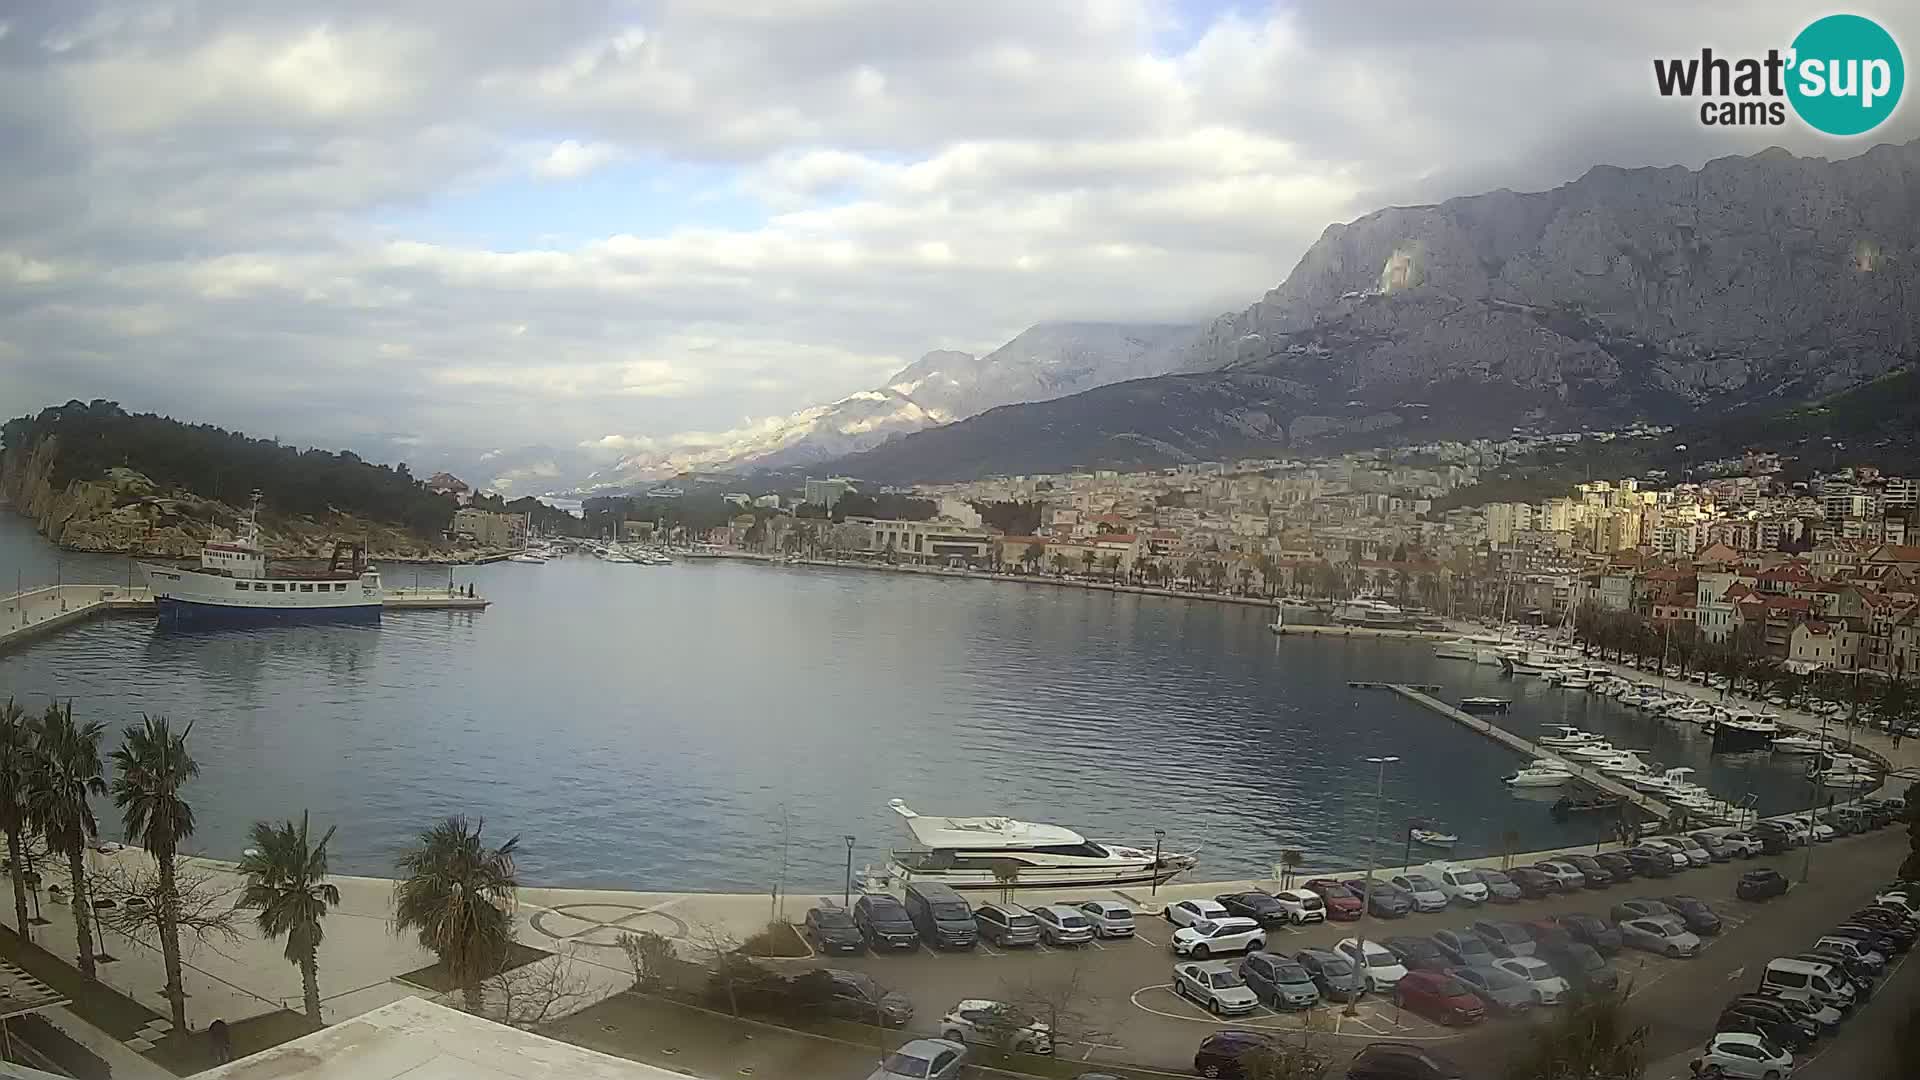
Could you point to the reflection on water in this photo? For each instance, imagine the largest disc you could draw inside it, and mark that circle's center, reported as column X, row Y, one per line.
column 652, row 726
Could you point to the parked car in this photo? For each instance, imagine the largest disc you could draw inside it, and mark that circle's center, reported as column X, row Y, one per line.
column 1381, row 968
column 1744, row 844
column 996, row 1024
column 1696, row 852
column 1261, row 907
column 1647, row 863
column 885, row 922
column 1302, row 907
column 1788, row 1036
column 1760, row 884
column 1775, row 839
column 1334, row 974
column 1007, row 924
column 1549, row 988
column 1592, row 930
column 1215, row 986
column 1500, row 887
column 1187, row 912
column 1501, row 990
column 1663, row 934
column 1874, row 961
column 1741, row 1055
column 1618, row 865
column 1402, row 1061
column 1462, row 884
column 1717, row 850
column 1581, row 965
column 1775, row 1011
column 1698, row 916
column 1222, row 1053
column 1638, row 907
column 1427, row 894
column 1564, row 874
column 1417, row 953
column 1849, row 970
column 1880, row 941
column 832, row 930
column 1534, row 884
column 1279, row 981
column 1676, row 853
column 1389, row 901
column 1110, row 918
column 944, row 917
column 1546, row 932
column 923, row 1059
column 1342, row 904
column 1440, row 998
column 1464, row 947
column 1598, row 877
column 1226, row 934
column 1064, row 925
column 1504, row 938
column 1887, row 922
column 854, row 995
column 1816, row 982
column 1825, row 1017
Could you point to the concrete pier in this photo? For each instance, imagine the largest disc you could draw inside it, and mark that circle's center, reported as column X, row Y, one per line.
column 1322, row 630
column 1593, row 777
column 28, row 615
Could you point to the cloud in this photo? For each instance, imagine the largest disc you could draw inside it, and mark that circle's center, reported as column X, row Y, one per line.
column 340, row 220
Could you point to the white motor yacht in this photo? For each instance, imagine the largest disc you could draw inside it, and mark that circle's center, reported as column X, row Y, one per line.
column 1624, row 764
column 1544, row 772
column 1698, row 712
column 1575, row 680
column 1592, row 751
column 1001, row 852
column 1568, row 736
column 1469, row 646
column 1801, row 744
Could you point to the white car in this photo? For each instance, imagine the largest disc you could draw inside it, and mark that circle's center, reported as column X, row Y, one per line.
column 1547, row 985
column 1569, row 877
column 1905, row 901
column 1383, row 969
column 1216, row 987
column 1302, row 906
column 1796, row 830
column 1744, row 1056
column 1462, row 884
column 996, row 1023
column 1745, row 845
column 1823, row 832
column 1188, row 912
column 1110, row 918
column 1209, row 937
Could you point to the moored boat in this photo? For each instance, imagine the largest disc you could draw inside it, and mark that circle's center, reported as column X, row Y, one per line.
column 1001, row 852
column 233, row 586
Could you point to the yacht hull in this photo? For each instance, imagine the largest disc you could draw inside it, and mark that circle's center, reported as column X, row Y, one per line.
column 1044, row 877
column 194, row 614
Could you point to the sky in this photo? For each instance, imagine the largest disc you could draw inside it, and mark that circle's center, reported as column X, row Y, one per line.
column 444, row 230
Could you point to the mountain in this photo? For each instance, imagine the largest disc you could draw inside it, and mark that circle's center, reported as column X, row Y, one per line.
column 1630, row 293
column 1043, row 362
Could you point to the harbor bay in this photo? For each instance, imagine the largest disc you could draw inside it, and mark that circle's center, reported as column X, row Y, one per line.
column 718, row 725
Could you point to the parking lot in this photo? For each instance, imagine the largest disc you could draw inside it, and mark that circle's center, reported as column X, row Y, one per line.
column 1127, row 1011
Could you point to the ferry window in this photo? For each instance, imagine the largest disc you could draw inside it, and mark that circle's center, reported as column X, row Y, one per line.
column 306, row 588
column 241, row 586
column 342, row 587
column 277, row 587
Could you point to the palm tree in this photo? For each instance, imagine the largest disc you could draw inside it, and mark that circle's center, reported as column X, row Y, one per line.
column 68, row 773
column 16, row 769
column 1087, row 559
column 458, row 896
column 1290, row 861
column 149, row 769
column 287, row 884
column 1059, row 562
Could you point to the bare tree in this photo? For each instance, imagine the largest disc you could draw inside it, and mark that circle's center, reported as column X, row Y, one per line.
column 203, row 903
column 652, row 957
column 722, row 951
column 532, row 994
column 1061, row 999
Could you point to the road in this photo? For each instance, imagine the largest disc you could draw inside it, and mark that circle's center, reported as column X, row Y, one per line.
column 1132, row 1017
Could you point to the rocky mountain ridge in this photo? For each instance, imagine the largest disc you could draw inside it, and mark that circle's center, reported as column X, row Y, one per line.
column 1628, row 293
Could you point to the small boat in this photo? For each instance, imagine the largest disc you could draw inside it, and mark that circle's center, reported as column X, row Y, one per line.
column 1433, row 838
column 1592, row 751
column 1486, row 704
column 1567, row 806
column 527, row 557
column 1741, row 730
column 1569, row 736
column 1800, row 744
column 1575, row 682
column 1849, row 777
column 1544, row 772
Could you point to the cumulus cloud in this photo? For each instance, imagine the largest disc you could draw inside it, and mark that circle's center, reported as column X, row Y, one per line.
column 516, row 235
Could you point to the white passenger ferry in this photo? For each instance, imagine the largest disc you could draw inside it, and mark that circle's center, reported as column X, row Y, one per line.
column 1001, row 852
column 232, row 586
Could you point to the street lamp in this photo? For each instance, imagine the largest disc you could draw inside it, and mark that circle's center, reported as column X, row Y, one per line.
column 1159, row 835
column 846, row 897
column 1366, row 902
column 1813, row 799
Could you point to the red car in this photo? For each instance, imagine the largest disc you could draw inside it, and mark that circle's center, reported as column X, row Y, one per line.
column 1342, row 905
column 1439, row 997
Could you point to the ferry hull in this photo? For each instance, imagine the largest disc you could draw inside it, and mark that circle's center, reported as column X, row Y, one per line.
column 1729, row 739
column 191, row 614
column 1052, row 877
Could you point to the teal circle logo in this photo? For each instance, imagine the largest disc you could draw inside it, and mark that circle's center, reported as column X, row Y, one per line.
column 1847, row 75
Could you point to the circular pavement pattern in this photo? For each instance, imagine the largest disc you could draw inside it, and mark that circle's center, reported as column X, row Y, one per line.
column 601, row 925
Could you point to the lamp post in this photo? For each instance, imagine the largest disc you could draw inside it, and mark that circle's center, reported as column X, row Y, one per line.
column 1159, row 836
column 1366, row 901
column 1813, row 800
column 846, row 897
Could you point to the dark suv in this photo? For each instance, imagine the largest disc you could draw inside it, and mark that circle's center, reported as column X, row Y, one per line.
column 1222, row 1053
column 831, row 929
column 1402, row 1061
column 1258, row 906
column 885, row 923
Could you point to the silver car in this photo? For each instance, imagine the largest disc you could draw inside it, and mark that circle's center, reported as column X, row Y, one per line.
column 1110, row 918
column 1661, row 934
column 923, row 1059
column 1215, row 986
column 1063, row 925
column 1427, row 894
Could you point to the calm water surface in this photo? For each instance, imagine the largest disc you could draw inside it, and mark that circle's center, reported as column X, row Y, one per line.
column 666, row 727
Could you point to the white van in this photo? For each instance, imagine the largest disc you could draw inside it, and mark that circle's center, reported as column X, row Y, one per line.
column 1460, row 883
column 1804, row 980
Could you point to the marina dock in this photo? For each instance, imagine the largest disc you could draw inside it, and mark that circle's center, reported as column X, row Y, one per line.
column 27, row 615
column 1591, row 777
column 1338, row 630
